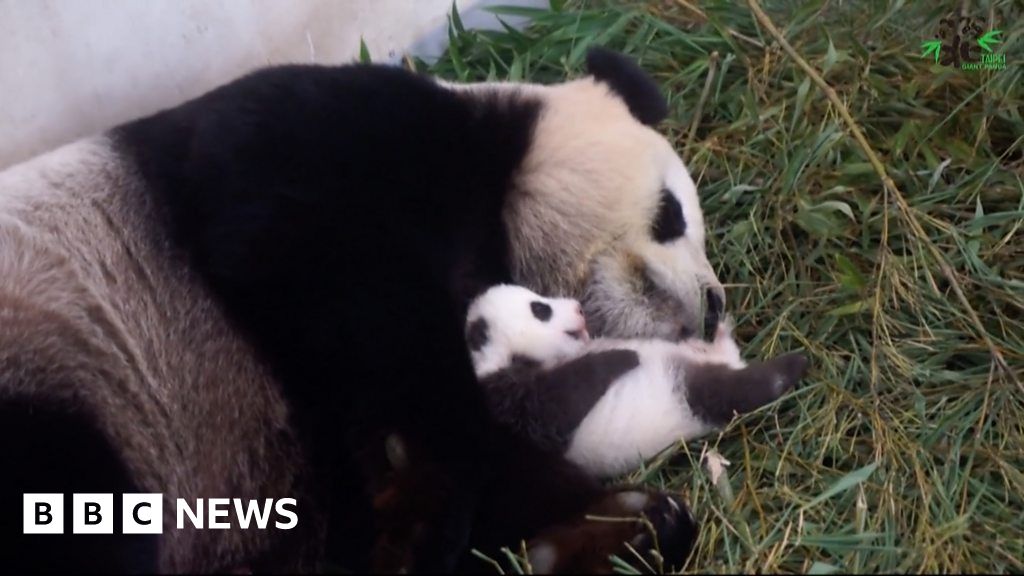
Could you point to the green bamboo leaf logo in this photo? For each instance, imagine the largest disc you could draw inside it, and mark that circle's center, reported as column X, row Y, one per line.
column 989, row 38
column 932, row 46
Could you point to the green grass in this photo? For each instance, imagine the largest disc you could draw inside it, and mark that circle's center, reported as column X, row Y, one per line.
column 904, row 448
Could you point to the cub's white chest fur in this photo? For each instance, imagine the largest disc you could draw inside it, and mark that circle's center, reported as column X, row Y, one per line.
column 647, row 409
column 640, row 412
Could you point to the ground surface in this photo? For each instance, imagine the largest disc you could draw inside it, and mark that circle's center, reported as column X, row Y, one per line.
column 904, row 450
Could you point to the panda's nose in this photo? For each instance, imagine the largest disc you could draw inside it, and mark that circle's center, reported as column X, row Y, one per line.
column 714, row 299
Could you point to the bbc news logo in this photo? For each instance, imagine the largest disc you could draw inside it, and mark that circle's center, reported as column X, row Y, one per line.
column 143, row 513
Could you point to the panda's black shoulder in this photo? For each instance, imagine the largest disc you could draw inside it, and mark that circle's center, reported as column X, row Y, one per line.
column 308, row 127
column 279, row 168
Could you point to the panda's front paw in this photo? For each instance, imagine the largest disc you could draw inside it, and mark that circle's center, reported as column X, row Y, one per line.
column 656, row 526
column 724, row 330
column 422, row 514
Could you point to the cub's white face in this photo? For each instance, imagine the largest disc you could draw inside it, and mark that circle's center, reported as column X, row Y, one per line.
column 510, row 323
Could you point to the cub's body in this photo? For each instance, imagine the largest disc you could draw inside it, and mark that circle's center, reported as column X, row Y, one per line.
column 609, row 404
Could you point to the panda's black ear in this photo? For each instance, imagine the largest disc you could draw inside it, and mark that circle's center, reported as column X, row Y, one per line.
column 477, row 334
column 630, row 82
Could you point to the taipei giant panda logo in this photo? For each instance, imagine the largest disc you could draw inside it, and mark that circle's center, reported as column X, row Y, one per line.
column 961, row 44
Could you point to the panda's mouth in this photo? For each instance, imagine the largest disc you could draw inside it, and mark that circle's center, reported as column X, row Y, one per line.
column 581, row 334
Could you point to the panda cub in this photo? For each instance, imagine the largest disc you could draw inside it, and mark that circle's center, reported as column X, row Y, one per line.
column 609, row 404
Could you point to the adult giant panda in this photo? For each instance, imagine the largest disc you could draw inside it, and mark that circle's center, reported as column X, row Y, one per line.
column 256, row 293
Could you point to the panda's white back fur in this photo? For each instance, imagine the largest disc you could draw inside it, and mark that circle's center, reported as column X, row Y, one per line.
column 97, row 312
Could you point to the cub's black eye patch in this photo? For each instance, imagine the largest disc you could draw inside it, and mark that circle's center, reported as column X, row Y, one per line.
column 541, row 311
column 477, row 334
column 668, row 223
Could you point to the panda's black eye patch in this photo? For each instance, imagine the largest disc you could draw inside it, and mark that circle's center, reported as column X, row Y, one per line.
column 541, row 311
column 668, row 223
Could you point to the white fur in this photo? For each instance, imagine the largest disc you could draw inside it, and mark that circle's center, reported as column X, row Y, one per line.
column 513, row 329
column 97, row 312
column 641, row 414
column 645, row 411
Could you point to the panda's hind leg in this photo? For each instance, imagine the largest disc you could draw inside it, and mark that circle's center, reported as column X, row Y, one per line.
column 47, row 447
column 717, row 392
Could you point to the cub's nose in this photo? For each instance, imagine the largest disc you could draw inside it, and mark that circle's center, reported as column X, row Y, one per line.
column 714, row 299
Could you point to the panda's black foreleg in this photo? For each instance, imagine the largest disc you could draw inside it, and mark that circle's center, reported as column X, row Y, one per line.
column 404, row 414
column 445, row 478
column 423, row 515
column 377, row 351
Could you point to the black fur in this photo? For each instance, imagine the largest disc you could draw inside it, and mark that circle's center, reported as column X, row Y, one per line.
column 630, row 82
column 716, row 393
column 669, row 224
column 477, row 334
column 541, row 311
column 314, row 201
column 712, row 313
column 548, row 405
column 523, row 362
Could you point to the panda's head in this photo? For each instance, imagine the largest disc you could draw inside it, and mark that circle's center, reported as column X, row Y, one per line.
column 605, row 211
column 509, row 324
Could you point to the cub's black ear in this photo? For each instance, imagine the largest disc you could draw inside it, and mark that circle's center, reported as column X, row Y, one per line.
column 630, row 82
column 477, row 334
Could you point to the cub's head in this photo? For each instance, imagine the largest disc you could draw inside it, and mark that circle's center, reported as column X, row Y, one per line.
column 509, row 324
column 603, row 209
